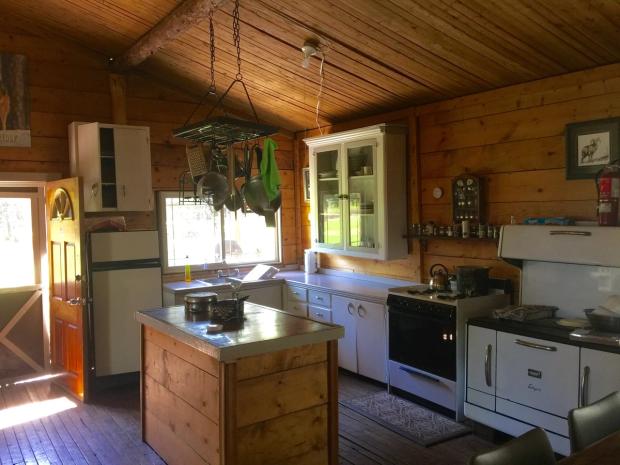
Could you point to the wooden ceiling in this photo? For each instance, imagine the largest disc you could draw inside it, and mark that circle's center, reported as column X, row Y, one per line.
column 380, row 55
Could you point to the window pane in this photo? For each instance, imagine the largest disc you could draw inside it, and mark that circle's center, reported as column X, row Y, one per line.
column 16, row 249
column 248, row 240
column 193, row 231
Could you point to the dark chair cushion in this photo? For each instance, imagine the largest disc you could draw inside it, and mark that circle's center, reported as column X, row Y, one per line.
column 586, row 425
column 532, row 448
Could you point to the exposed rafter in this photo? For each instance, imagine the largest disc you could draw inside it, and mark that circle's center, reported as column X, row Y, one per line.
column 187, row 14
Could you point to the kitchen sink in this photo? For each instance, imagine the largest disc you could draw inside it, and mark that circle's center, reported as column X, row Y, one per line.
column 216, row 281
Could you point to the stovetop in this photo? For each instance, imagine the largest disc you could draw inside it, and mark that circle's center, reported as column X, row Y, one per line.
column 423, row 292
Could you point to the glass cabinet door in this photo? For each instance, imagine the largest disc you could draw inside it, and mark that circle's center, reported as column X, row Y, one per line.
column 362, row 194
column 329, row 198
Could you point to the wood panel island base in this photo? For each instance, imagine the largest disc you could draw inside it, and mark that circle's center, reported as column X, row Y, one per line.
column 264, row 394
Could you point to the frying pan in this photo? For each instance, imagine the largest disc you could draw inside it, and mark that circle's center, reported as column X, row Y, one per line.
column 213, row 189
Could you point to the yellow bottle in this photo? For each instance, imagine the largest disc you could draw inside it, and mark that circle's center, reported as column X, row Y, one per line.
column 188, row 270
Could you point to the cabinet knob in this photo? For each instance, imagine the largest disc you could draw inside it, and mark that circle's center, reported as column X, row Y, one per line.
column 94, row 189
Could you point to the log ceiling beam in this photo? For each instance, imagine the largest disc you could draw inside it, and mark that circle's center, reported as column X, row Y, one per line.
column 187, row 14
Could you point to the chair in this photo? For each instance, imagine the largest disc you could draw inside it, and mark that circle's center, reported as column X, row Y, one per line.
column 532, row 448
column 588, row 424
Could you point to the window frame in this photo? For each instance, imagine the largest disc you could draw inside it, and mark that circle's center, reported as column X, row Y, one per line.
column 223, row 265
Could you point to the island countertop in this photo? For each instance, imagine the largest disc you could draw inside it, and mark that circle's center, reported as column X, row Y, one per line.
column 264, row 330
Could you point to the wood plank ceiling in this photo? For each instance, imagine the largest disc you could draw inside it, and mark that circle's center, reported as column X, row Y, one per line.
column 380, row 55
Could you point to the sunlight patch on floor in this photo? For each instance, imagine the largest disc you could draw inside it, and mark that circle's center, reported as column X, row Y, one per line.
column 39, row 378
column 33, row 411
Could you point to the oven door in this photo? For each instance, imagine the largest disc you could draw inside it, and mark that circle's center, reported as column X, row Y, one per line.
column 424, row 342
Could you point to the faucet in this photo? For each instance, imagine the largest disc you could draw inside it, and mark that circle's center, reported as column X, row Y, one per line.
column 222, row 274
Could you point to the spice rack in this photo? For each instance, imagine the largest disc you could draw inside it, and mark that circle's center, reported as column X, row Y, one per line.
column 425, row 238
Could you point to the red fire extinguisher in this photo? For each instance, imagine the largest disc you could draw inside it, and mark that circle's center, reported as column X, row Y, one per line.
column 608, row 185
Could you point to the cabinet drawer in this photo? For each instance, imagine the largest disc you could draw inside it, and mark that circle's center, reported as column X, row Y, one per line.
column 319, row 313
column 537, row 373
column 297, row 308
column 319, row 298
column 295, row 293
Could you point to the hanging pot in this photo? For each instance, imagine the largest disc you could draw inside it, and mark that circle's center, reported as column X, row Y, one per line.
column 213, row 189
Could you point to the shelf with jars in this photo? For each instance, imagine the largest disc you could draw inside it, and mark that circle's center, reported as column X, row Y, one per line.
column 457, row 232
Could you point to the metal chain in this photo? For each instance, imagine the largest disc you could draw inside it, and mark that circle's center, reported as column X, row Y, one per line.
column 237, row 38
column 212, row 50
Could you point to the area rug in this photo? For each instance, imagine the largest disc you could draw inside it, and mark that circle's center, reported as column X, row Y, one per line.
column 410, row 420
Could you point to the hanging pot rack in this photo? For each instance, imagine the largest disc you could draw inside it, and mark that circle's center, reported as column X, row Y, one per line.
column 225, row 130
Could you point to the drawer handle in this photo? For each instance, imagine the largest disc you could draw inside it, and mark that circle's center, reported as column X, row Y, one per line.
column 320, row 315
column 319, row 298
column 570, row 233
column 533, row 345
column 487, row 365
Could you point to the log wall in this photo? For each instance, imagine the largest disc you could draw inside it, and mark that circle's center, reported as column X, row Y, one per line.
column 512, row 137
column 69, row 83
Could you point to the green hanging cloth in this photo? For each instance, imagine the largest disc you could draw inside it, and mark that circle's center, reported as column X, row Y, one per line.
column 269, row 169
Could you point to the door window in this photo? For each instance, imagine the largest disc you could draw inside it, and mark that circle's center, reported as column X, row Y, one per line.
column 18, row 239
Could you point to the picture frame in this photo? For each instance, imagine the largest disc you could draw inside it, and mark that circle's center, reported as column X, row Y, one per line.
column 306, row 174
column 591, row 145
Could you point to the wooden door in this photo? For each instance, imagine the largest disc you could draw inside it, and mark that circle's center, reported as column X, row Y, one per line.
column 67, row 288
column 371, row 340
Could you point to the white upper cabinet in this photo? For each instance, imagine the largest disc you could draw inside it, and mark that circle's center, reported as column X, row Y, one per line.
column 358, row 192
column 114, row 162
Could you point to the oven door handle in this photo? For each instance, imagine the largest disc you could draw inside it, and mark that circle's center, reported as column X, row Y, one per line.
column 417, row 373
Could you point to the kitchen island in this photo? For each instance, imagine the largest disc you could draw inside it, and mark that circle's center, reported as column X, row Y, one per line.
column 262, row 394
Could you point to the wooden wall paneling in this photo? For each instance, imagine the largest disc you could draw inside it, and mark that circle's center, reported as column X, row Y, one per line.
column 262, row 365
column 199, row 433
column 181, row 378
column 190, row 355
column 266, row 397
column 229, row 449
column 281, row 440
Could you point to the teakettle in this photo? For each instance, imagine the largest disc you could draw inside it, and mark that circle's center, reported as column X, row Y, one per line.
column 439, row 277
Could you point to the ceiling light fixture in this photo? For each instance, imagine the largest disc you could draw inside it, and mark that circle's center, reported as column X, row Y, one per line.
column 310, row 48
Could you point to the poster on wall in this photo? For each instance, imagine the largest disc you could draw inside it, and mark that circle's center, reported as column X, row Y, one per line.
column 14, row 101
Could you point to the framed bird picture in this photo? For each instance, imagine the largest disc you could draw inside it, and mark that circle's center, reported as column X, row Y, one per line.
column 14, row 101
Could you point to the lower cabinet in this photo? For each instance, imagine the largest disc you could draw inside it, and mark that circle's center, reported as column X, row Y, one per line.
column 599, row 375
column 363, row 349
column 515, row 382
column 481, row 368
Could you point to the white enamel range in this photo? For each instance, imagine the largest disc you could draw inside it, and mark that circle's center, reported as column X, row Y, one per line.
column 427, row 342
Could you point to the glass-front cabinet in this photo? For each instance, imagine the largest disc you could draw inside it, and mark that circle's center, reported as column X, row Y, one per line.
column 358, row 192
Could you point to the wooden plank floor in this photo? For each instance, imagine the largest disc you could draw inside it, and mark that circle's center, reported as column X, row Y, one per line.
column 107, row 432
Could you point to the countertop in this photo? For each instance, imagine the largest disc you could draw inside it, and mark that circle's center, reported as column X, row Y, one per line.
column 371, row 289
column 265, row 330
column 541, row 329
column 368, row 289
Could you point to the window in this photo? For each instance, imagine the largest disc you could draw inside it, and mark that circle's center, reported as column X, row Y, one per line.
column 18, row 239
column 198, row 232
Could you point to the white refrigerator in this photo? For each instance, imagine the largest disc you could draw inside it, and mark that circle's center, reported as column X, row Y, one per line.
column 125, row 276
